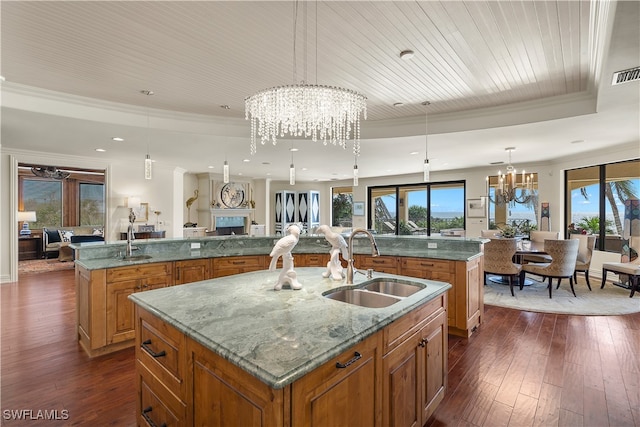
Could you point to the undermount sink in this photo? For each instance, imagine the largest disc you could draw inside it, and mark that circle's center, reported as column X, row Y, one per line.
column 136, row 257
column 394, row 287
column 376, row 293
column 362, row 298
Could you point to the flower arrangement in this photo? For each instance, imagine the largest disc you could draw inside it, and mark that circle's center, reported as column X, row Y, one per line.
column 508, row 231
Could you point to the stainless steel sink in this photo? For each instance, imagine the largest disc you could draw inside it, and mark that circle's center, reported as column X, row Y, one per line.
column 362, row 298
column 397, row 288
column 136, row 257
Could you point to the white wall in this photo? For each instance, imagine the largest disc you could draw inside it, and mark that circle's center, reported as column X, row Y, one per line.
column 123, row 179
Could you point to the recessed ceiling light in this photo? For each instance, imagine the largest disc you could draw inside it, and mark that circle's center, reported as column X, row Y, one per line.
column 211, row 167
column 578, row 141
column 413, row 153
column 398, row 104
column 304, row 169
column 2, row 78
column 407, row 54
column 266, row 163
column 117, row 138
column 100, row 150
column 268, row 173
column 293, row 149
column 246, row 160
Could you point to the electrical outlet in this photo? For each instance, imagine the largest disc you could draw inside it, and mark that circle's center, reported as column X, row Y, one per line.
column 195, row 245
column 432, row 245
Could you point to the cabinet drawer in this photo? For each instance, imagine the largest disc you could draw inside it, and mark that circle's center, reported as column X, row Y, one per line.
column 428, row 264
column 135, row 271
column 401, row 329
column 158, row 406
column 316, row 260
column 161, row 350
column 243, row 261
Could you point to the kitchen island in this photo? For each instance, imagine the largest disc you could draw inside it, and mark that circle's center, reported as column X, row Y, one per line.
column 232, row 351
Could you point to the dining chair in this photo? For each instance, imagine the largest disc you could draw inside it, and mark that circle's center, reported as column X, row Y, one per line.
column 498, row 260
column 585, row 252
column 627, row 271
column 536, row 236
column 564, row 254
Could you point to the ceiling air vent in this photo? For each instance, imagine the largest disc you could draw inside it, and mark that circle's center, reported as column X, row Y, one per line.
column 624, row 76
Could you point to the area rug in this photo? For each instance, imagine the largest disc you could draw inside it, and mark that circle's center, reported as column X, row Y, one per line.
column 611, row 300
column 36, row 266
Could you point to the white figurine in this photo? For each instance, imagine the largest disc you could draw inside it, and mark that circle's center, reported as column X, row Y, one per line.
column 338, row 244
column 283, row 248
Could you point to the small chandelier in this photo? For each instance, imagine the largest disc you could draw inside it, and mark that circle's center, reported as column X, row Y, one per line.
column 50, row 172
column 510, row 190
column 329, row 113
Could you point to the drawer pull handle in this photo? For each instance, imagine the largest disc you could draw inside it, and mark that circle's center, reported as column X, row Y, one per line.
column 237, row 262
column 148, row 419
column 145, row 347
column 426, row 265
column 423, row 342
column 356, row 356
column 378, row 261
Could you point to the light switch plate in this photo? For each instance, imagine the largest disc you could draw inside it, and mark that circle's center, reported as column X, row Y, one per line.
column 195, row 245
column 432, row 245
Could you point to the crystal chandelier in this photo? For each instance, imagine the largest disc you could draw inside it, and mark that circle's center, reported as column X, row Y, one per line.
column 329, row 113
column 512, row 188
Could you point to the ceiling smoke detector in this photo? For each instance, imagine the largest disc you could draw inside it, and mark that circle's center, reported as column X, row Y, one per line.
column 626, row 76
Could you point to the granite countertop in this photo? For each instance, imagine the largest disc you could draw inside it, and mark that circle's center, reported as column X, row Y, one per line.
column 276, row 336
column 109, row 255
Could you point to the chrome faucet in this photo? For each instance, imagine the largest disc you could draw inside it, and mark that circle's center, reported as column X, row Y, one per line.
column 374, row 251
column 130, row 235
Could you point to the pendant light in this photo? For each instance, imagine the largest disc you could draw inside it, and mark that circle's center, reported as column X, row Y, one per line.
column 148, row 164
column 355, row 171
column 225, row 172
column 292, row 168
column 426, row 168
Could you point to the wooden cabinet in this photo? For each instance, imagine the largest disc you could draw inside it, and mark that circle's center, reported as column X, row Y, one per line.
column 384, row 264
column 313, row 260
column 190, row 271
column 226, row 266
column 161, row 372
column 122, row 282
column 415, row 369
column 466, row 306
column 29, row 247
column 180, row 382
column 145, row 235
column 105, row 316
column 343, row 392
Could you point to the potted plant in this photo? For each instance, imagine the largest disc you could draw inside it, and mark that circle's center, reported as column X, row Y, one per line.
column 508, row 231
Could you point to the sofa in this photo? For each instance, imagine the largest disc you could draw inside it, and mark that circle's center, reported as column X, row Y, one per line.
column 54, row 238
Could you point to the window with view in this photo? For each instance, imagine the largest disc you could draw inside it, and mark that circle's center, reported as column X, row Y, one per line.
column 45, row 198
column 342, row 206
column 91, row 204
column 426, row 208
column 595, row 198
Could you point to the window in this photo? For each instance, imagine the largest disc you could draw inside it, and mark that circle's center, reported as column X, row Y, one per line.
column 595, row 199
column 45, row 198
column 418, row 208
column 342, row 206
column 91, row 204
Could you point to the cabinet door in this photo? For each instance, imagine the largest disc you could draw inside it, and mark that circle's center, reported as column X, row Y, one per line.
column 340, row 396
column 400, row 396
column 433, row 343
column 384, row 264
column 316, row 260
column 191, row 271
column 120, row 311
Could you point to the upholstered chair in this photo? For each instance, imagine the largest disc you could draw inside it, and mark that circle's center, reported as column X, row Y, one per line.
column 539, row 237
column 629, row 271
column 498, row 260
column 564, row 254
column 585, row 252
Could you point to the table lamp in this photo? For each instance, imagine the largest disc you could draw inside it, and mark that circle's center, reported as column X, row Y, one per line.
column 26, row 217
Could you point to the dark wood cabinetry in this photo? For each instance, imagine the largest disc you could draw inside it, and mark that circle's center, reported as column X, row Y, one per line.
column 29, row 247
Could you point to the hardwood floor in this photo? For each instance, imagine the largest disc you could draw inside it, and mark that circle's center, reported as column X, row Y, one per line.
column 519, row 369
